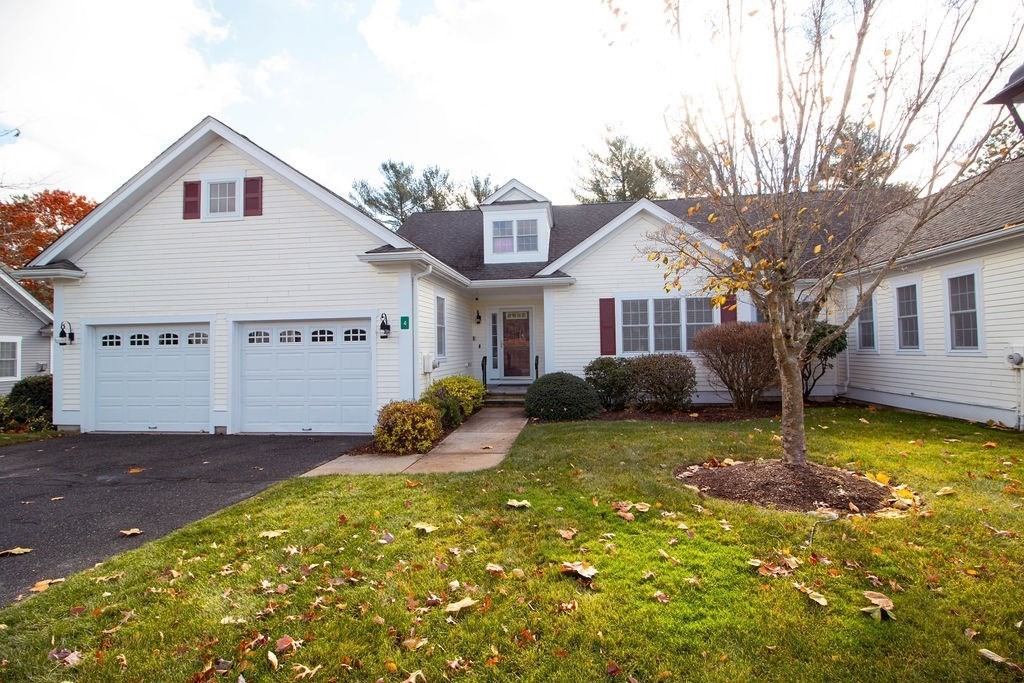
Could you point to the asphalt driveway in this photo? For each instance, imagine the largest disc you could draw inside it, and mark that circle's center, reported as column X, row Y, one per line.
column 68, row 498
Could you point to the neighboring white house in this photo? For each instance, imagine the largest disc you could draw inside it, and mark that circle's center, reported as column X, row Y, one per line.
column 222, row 290
column 25, row 329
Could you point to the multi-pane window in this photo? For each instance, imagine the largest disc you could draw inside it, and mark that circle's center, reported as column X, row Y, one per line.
column 167, row 339
column 907, row 318
column 259, row 337
column 667, row 331
column 198, row 338
column 321, row 336
column 8, row 359
column 635, row 330
column 494, row 341
column 699, row 314
column 222, row 197
column 963, row 313
column 866, row 326
column 442, row 341
column 504, row 237
column 138, row 340
column 110, row 340
column 290, row 337
column 354, row 335
column 526, row 235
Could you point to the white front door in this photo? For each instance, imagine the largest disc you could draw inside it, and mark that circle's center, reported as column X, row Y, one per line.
column 306, row 376
column 152, row 378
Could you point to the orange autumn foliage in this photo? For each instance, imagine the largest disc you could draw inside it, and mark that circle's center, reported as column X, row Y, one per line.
column 29, row 223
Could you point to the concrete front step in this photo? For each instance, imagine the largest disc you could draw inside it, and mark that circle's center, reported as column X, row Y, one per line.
column 505, row 400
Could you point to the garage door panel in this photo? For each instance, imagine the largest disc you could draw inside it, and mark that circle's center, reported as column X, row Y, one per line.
column 151, row 387
column 304, row 385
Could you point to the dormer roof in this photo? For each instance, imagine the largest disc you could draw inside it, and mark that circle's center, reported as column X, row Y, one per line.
column 514, row 192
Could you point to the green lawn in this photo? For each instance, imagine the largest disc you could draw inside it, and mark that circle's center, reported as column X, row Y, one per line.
column 211, row 589
column 8, row 438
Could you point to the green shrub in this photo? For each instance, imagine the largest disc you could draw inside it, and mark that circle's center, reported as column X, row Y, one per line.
column 662, row 381
column 561, row 396
column 448, row 407
column 468, row 391
column 740, row 356
column 407, row 427
column 815, row 368
column 610, row 377
column 29, row 407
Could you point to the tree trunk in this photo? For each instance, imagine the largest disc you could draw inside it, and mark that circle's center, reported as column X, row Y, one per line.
column 794, row 440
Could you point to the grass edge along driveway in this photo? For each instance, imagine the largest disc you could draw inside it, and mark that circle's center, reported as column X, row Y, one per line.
column 333, row 573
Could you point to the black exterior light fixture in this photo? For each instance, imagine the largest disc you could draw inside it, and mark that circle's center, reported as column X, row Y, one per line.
column 66, row 336
column 385, row 328
column 478, row 318
column 1012, row 94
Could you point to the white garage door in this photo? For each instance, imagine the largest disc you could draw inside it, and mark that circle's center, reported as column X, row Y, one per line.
column 308, row 376
column 152, row 378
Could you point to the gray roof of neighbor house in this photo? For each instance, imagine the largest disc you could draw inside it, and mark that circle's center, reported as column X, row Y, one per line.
column 457, row 237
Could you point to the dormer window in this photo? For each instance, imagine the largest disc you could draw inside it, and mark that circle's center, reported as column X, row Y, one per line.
column 517, row 225
column 515, row 236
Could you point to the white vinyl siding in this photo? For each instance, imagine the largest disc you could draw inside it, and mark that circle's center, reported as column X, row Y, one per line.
column 908, row 323
column 866, row 326
column 157, row 265
column 963, row 313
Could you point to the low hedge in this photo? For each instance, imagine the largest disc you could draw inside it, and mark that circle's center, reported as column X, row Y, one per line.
column 609, row 375
column 29, row 406
column 561, row 396
column 405, row 427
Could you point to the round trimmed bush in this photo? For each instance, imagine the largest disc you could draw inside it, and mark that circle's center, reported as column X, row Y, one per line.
column 29, row 405
column 561, row 396
column 662, row 381
column 468, row 391
column 407, row 427
column 610, row 376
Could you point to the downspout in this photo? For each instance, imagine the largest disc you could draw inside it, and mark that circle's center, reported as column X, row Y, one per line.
column 1020, row 399
column 414, row 329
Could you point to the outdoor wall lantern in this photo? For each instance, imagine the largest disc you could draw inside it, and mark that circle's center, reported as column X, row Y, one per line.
column 1012, row 94
column 478, row 318
column 385, row 328
column 66, row 336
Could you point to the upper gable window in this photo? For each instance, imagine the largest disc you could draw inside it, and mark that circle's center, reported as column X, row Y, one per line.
column 224, row 197
column 515, row 236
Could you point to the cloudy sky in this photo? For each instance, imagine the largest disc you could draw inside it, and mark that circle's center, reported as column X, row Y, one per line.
column 334, row 87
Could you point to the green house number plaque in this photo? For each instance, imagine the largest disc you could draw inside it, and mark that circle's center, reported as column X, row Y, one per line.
column 403, row 322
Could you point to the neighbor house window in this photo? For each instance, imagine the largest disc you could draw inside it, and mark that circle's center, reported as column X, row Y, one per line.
column 514, row 236
column 907, row 319
column 699, row 314
column 442, row 341
column 666, row 325
column 866, row 326
column 9, row 352
column 635, row 332
column 963, row 313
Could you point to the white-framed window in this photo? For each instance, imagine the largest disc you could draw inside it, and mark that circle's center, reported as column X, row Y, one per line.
column 290, row 337
column 222, row 198
column 354, row 335
column 259, row 337
column 700, row 313
column 441, row 345
column 908, row 318
column 662, row 324
column 964, row 312
column 198, row 338
column 138, row 340
column 321, row 336
column 110, row 340
column 866, row 326
column 167, row 339
column 10, row 358
column 509, row 236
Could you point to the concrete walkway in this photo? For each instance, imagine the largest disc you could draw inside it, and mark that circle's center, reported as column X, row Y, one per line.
column 482, row 441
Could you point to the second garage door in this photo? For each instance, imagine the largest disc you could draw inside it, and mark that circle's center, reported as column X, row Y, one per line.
column 308, row 376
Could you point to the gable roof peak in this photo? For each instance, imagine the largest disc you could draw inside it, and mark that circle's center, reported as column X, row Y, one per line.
column 514, row 191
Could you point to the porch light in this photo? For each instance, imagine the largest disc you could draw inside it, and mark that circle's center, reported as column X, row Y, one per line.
column 478, row 318
column 66, row 336
column 385, row 328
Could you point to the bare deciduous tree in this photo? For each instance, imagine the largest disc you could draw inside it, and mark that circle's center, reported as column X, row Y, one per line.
column 810, row 185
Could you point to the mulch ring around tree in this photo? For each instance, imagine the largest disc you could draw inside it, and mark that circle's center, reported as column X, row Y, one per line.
column 769, row 483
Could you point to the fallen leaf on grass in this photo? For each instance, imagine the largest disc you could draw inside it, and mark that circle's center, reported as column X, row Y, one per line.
column 990, row 444
column 998, row 659
column 15, row 551
column 273, row 533
column 881, row 607
column 131, row 532
column 413, row 643
column 272, row 658
column 668, row 557
column 415, row 676
column 513, row 503
column 495, row 569
column 628, row 516
column 945, row 491
column 114, row 629
column 66, row 657
column 811, row 595
column 457, row 607
column 287, row 643
column 580, row 570
column 232, row 620
column 386, row 539
column 40, row 586
column 1004, row 533
column 662, row 597
column 567, row 534
column 425, row 528
column 304, row 671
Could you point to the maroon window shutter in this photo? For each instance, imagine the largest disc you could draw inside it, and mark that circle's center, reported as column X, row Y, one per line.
column 607, row 327
column 729, row 310
column 193, row 192
column 253, row 196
